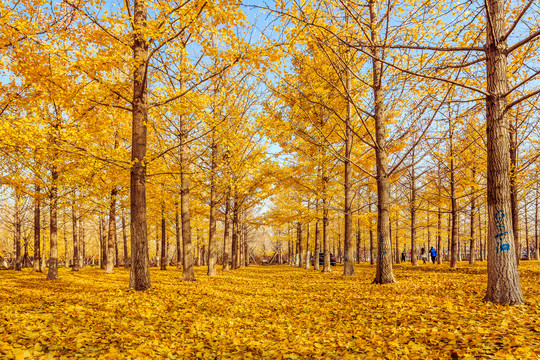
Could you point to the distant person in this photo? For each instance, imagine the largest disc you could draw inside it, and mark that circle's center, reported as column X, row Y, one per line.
column 403, row 256
column 423, row 254
column 433, row 253
column 410, row 254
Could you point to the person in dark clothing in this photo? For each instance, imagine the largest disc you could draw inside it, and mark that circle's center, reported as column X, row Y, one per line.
column 423, row 255
column 433, row 253
column 403, row 256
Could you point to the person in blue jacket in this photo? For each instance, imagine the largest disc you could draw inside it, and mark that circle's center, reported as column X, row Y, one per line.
column 433, row 253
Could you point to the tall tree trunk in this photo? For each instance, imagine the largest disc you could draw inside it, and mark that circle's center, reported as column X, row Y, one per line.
column 226, row 226
column 82, row 245
column 139, row 279
column 124, row 237
column 44, row 263
column 316, row 249
column 306, row 258
column 164, row 256
column 17, row 234
column 299, row 243
column 472, row 257
column 246, row 245
column 188, row 273
column 414, row 258
column 527, row 252
column 348, row 266
column 397, row 240
column 235, row 245
column 212, row 251
column 111, row 234
column 514, row 185
column 384, row 273
column 326, row 239
column 52, row 273
column 76, row 245
column 453, row 246
column 503, row 277
column 371, row 245
column 358, row 239
column 37, row 229
column 178, row 234
column 537, row 251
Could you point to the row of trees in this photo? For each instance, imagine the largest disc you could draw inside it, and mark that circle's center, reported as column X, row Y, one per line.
column 406, row 85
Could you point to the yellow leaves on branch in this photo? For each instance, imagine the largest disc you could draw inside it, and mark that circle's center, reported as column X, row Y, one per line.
column 270, row 312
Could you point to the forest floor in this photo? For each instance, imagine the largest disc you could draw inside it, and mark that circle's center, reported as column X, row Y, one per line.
column 268, row 312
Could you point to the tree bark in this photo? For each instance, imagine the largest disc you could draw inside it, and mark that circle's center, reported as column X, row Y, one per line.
column 348, row 266
column 472, row 245
column 226, row 226
column 212, row 252
column 37, row 229
column 188, row 273
column 111, row 234
column 52, row 273
column 371, row 245
column 178, row 234
column 514, row 186
column 537, row 251
column 163, row 239
column 246, row 245
column 76, row 245
column 453, row 245
column 235, row 245
column 140, row 263
column 124, row 236
column 299, row 243
column 503, row 277
column 17, row 233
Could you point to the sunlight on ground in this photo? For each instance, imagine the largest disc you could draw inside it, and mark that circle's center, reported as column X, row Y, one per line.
column 268, row 312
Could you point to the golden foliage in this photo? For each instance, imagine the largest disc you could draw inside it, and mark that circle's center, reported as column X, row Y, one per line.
column 268, row 312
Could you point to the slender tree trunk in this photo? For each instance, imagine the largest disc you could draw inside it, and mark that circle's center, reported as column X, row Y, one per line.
column 212, row 251
column 299, row 243
column 82, row 245
column 326, row 239
column 348, row 268
column 17, row 234
column 454, row 239
column 527, row 234
column 111, row 234
column 226, row 226
column 188, row 273
column 124, row 237
column 306, row 258
column 140, row 263
column 235, row 245
column 52, row 273
column 472, row 257
column 358, row 240
column 76, row 248
column 414, row 259
column 164, row 254
column 37, row 229
column 371, row 245
column 178, row 234
column 514, row 186
column 537, row 251
column 397, row 240
column 246, row 245
column 316, row 249
column 503, row 277
column 384, row 273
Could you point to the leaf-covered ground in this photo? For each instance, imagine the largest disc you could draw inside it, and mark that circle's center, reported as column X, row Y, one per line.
column 268, row 312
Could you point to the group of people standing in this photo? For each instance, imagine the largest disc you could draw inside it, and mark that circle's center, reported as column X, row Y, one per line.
column 423, row 255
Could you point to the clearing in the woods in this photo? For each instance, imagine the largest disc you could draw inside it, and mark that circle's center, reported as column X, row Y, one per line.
column 268, row 312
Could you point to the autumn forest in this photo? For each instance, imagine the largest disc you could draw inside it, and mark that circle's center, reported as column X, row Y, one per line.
column 269, row 179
